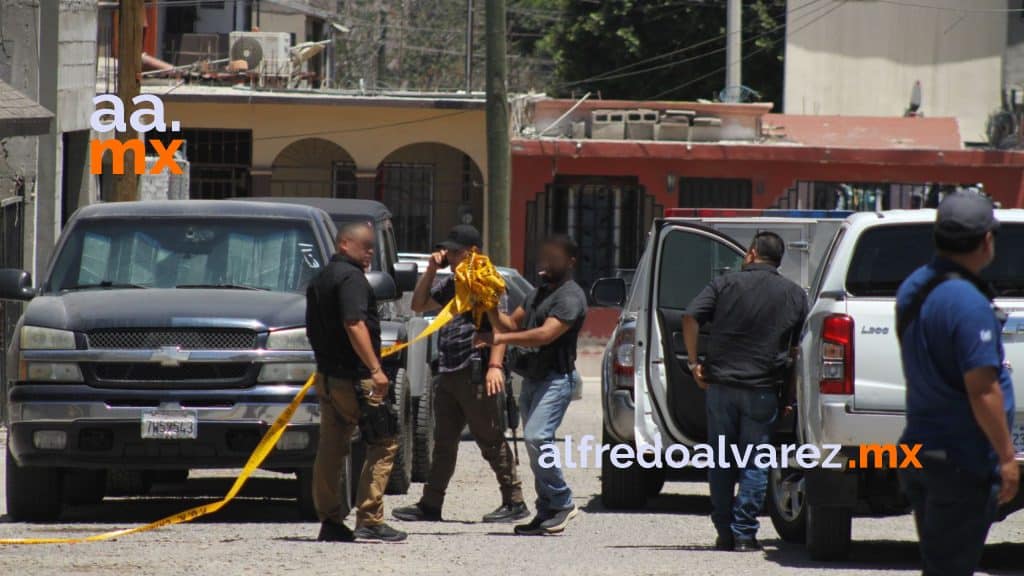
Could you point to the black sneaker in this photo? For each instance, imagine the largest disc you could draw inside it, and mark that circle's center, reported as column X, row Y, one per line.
column 381, row 532
column 417, row 513
column 747, row 545
column 532, row 528
column 508, row 513
column 725, row 543
column 331, row 532
column 558, row 522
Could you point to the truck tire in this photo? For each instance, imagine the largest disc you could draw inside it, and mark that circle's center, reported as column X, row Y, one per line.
column 423, row 434
column 787, row 504
column 622, row 488
column 401, row 472
column 654, row 481
column 828, row 532
column 304, row 493
column 83, row 487
column 33, row 494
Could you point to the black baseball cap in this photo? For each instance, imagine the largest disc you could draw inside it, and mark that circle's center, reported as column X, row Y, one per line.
column 460, row 237
column 965, row 215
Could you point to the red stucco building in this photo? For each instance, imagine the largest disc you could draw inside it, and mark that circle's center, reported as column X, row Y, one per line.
column 592, row 172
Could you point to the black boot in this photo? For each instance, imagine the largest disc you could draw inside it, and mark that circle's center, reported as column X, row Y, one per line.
column 417, row 513
column 508, row 513
column 381, row 532
column 331, row 532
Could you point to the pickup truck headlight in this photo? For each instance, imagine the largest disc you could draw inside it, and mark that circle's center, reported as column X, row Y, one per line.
column 291, row 339
column 39, row 338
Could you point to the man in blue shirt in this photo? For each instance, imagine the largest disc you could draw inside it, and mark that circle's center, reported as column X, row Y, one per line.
column 959, row 395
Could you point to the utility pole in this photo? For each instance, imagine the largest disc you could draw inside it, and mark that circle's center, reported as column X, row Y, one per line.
column 381, row 47
column 469, row 46
column 129, row 74
column 498, row 154
column 733, row 51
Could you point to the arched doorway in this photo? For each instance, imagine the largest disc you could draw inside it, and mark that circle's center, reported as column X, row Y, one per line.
column 313, row 167
column 429, row 188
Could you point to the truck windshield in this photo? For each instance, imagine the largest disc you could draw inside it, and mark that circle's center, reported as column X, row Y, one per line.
column 256, row 254
column 886, row 255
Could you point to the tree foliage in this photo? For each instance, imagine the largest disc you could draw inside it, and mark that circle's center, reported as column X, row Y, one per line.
column 596, row 45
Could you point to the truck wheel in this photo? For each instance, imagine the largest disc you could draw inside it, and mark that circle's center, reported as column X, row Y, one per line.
column 786, row 504
column 401, row 473
column 304, row 492
column 622, row 488
column 33, row 494
column 828, row 532
column 84, row 487
column 423, row 435
column 654, row 481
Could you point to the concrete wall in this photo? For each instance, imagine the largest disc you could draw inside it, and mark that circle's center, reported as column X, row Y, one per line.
column 1013, row 59
column 49, row 54
column 863, row 59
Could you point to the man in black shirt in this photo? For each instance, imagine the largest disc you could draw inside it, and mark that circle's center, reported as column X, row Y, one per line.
column 756, row 315
column 344, row 331
column 546, row 328
column 466, row 392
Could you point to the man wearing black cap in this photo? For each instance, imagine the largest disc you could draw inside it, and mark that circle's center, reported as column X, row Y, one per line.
column 959, row 395
column 470, row 379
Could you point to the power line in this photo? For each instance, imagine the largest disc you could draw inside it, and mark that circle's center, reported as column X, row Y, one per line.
column 720, row 70
column 609, row 76
column 613, row 74
column 951, row 8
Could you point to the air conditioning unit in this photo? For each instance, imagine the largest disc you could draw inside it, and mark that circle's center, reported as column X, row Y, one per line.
column 264, row 52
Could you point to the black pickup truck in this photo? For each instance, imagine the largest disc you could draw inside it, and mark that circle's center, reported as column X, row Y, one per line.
column 164, row 336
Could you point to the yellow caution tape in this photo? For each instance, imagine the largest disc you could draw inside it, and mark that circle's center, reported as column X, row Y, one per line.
column 478, row 286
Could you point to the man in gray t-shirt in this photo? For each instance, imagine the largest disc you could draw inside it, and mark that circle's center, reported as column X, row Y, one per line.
column 546, row 327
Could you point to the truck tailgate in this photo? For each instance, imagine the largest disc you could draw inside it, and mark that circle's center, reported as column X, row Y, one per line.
column 876, row 352
column 878, row 372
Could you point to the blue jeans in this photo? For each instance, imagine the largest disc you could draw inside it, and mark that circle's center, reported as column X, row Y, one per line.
column 742, row 417
column 953, row 510
column 543, row 404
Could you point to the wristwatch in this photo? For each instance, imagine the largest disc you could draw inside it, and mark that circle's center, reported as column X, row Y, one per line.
column 692, row 365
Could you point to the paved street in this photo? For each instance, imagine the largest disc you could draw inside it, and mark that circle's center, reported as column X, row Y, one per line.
column 259, row 533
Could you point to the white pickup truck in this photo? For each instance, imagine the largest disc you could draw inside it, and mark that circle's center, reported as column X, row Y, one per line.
column 850, row 379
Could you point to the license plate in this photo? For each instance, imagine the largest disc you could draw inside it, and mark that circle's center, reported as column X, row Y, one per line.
column 170, row 425
column 1018, row 438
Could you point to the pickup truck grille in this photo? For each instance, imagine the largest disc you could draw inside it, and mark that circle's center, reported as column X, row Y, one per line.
column 136, row 338
column 191, row 375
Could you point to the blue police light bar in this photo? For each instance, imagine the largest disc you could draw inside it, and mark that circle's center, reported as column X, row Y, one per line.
column 754, row 213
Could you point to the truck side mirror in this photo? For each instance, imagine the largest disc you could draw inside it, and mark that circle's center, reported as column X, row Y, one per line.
column 16, row 284
column 406, row 275
column 383, row 285
column 608, row 292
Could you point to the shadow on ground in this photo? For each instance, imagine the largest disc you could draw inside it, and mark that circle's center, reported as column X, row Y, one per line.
column 264, row 500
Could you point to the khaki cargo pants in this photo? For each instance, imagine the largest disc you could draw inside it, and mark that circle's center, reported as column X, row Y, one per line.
column 459, row 401
column 339, row 416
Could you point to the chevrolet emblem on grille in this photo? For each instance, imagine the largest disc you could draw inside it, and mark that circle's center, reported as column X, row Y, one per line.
column 170, row 356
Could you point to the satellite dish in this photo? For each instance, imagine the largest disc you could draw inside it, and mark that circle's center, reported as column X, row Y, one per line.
column 247, row 49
